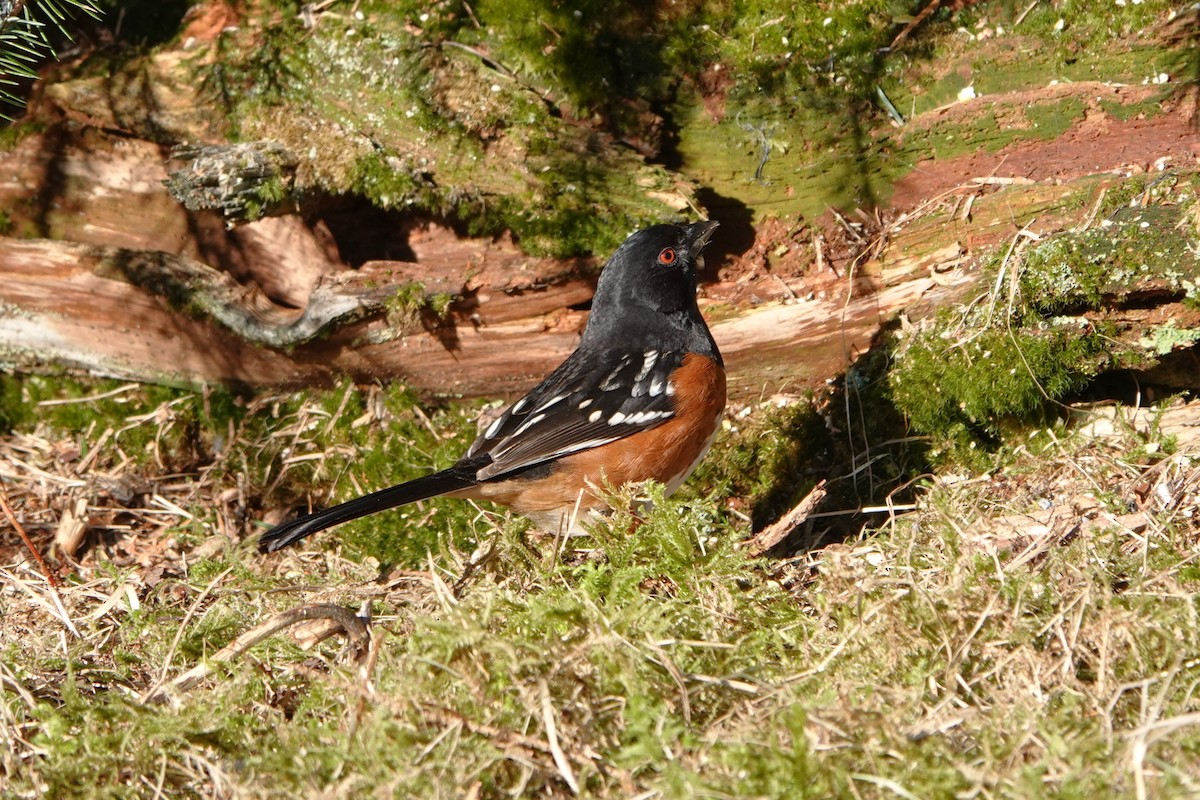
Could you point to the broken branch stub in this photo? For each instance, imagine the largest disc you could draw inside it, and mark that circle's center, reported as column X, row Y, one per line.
column 245, row 181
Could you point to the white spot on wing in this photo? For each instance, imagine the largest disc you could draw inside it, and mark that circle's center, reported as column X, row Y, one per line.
column 502, row 465
column 595, row 415
column 584, row 403
column 647, row 365
column 636, row 418
column 611, row 381
column 656, row 386
column 529, row 423
column 494, row 428
column 549, row 403
column 646, row 416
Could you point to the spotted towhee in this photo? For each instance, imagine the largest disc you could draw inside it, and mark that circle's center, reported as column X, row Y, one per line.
column 640, row 398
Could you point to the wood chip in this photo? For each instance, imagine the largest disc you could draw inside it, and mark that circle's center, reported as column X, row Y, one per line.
column 72, row 527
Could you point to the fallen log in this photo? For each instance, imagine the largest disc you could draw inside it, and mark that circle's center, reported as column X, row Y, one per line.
column 151, row 316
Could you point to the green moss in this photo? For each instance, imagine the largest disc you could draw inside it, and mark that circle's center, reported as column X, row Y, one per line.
column 1078, row 29
column 13, row 133
column 267, row 72
column 1051, row 120
column 659, row 657
column 14, row 407
column 989, row 130
column 148, row 424
column 1125, row 194
column 598, row 56
column 404, row 308
column 1138, row 249
column 1192, row 289
column 964, row 388
column 1124, row 112
column 970, row 373
column 455, row 109
column 421, row 132
column 387, row 184
column 268, row 195
column 770, row 460
column 851, row 435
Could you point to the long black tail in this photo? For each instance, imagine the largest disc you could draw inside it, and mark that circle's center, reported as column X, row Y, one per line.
column 439, row 483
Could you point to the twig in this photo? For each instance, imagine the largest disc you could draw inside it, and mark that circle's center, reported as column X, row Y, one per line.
column 354, row 626
column 20, row 529
column 341, row 408
column 921, row 16
column 1095, row 211
column 72, row 527
column 471, row 13
column 1021, row 17
column 821, row 256
column 1145, row 736
column 764, row 144
column 884, row 783
column 505, row 739
column 366, row 669
column 191, row 612
column 556, row 752
column 488, row 61
column 779, row 530
column 965, row 216
column 1000, row 180
column 673, row 670
column 64, row 401
column 791, row 295
column 890, row 510
column 897, row 117
column 54, row 606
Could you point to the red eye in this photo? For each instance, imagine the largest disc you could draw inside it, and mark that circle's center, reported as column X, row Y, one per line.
column 667, row 256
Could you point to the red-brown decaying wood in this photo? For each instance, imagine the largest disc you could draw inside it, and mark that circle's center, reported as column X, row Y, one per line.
column 108, row 311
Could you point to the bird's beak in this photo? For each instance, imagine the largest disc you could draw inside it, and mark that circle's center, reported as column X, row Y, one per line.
column 699, row 233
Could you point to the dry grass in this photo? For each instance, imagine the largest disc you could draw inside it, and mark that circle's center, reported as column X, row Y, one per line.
column 1025, row 633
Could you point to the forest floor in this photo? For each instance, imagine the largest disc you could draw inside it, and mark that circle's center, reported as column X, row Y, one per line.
column 1025, row 630
column 1013, row 618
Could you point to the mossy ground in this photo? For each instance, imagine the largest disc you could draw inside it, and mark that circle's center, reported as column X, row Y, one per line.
column 952, row 650
column 377, row 104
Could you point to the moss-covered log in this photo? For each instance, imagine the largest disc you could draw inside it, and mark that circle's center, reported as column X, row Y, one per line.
column 418, row 155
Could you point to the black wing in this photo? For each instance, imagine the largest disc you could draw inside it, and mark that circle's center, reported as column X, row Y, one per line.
column 585, row 403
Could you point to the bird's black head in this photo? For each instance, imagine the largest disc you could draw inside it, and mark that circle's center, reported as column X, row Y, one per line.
column 653, row 269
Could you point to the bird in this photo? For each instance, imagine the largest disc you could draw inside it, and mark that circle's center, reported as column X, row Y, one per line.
column 640, row 398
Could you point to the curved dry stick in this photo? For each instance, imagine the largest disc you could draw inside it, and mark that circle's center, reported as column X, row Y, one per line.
column 20, row 529
column 779, row 530
column 353, row 625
